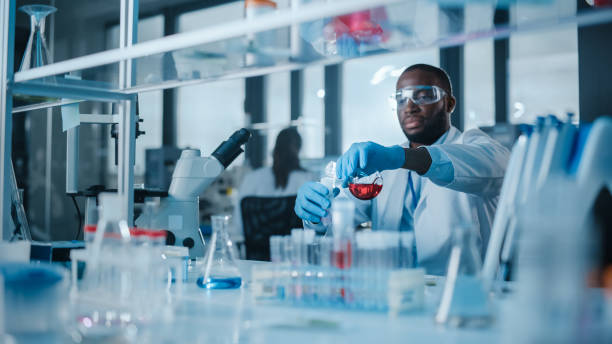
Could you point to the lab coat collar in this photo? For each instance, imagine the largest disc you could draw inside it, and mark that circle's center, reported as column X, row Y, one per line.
column 392, row 210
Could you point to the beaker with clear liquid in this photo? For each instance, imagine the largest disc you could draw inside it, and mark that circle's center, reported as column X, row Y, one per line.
column 220, row 270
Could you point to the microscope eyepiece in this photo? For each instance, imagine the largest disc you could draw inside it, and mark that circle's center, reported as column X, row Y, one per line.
column 231, row 149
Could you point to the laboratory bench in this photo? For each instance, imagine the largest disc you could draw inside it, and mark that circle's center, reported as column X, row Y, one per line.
column 234, row 316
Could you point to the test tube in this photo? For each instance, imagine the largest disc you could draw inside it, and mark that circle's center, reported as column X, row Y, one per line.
column 306, row 276
column 276, row 244
column 308, row 236
column 314, row 252
column 276, row 257
column 297, row 241
column 295, row 290
column 324, row 277
column 288, row 249
column 378, row 251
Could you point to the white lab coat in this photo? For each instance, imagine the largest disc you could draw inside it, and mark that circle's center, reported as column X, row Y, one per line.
column 260, row 182
column 479, row 163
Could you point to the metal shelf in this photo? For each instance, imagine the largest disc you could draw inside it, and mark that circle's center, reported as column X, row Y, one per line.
column 197, row 56
column 232, row 50
column 275, row 20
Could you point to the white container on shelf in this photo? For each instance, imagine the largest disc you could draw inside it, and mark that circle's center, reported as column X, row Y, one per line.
column 264, row 47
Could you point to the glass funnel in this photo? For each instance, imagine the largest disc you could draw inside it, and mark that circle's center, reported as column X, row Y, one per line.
column 220, row 270
column 36, row 53
column 366, row 187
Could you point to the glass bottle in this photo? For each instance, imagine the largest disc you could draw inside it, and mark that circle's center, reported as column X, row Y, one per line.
column 111, row 229
column 220, row 270
column 464, row 301
column 36, row 53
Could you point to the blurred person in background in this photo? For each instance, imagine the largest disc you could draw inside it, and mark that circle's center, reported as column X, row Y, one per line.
column 283, row 178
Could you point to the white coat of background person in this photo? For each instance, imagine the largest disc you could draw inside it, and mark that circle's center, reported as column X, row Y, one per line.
column 439, row 179
column 283, row 178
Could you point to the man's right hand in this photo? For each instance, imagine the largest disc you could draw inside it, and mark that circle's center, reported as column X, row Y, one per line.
column 368, row 157
column 312, row 202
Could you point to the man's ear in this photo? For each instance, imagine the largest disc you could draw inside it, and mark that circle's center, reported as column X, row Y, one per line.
column 450, row 104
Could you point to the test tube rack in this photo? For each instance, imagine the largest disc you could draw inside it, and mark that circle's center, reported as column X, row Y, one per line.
column 390, row 290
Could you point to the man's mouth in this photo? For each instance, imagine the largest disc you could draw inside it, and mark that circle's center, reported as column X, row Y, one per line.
column 413, row 122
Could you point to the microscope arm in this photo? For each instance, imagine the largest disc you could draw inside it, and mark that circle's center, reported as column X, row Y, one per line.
column 193, row 174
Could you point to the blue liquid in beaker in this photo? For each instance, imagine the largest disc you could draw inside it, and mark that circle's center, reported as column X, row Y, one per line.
column 220, row 282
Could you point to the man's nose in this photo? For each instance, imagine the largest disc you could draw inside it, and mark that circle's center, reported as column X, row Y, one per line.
column 411, row 107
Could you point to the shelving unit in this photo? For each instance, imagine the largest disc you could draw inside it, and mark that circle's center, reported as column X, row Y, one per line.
column 194, row 57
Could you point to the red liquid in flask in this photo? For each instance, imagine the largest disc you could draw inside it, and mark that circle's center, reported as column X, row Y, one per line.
column 365, row 191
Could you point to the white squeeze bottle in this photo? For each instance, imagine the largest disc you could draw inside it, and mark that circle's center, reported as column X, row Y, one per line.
column 330, row 182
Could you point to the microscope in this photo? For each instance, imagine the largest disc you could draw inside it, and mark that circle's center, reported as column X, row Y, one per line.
column 179, row 212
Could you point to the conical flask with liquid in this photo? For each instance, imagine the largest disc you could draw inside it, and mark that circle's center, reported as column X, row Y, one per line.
column 220, row 270
column 36, row 53
column 464, row 302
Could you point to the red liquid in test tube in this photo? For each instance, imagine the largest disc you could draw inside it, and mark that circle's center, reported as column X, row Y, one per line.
column 343, row 258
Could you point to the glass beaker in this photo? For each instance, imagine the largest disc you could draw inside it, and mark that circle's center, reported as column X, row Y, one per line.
column 36, row 53
column 220, row 270
column 464, row 301
column 366, row 187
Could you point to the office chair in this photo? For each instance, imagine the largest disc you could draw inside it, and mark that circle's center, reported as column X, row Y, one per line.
column 263, row 217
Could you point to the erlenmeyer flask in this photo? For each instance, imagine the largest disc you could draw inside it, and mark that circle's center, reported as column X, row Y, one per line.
column 220, row 270
column 36, row 53
column 366, row 187
column 464, row 301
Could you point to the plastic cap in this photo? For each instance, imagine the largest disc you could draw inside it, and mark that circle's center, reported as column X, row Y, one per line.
column 253, row 3
column 136, row 232
column 156, row 233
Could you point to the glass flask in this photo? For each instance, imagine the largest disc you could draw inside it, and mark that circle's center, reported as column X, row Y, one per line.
column 220, row 270
column 366, row 187
column 36, row 53
column 464, row 302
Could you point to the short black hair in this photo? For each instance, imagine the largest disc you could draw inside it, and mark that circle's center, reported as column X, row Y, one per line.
column 440, row 74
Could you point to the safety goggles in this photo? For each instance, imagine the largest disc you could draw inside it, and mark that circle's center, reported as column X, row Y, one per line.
column 420, row 95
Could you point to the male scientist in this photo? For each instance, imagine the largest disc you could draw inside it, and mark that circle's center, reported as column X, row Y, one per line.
column 439, row 179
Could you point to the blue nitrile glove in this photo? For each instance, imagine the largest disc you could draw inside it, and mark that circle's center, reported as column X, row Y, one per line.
column 368, row 157
column 313, row 201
